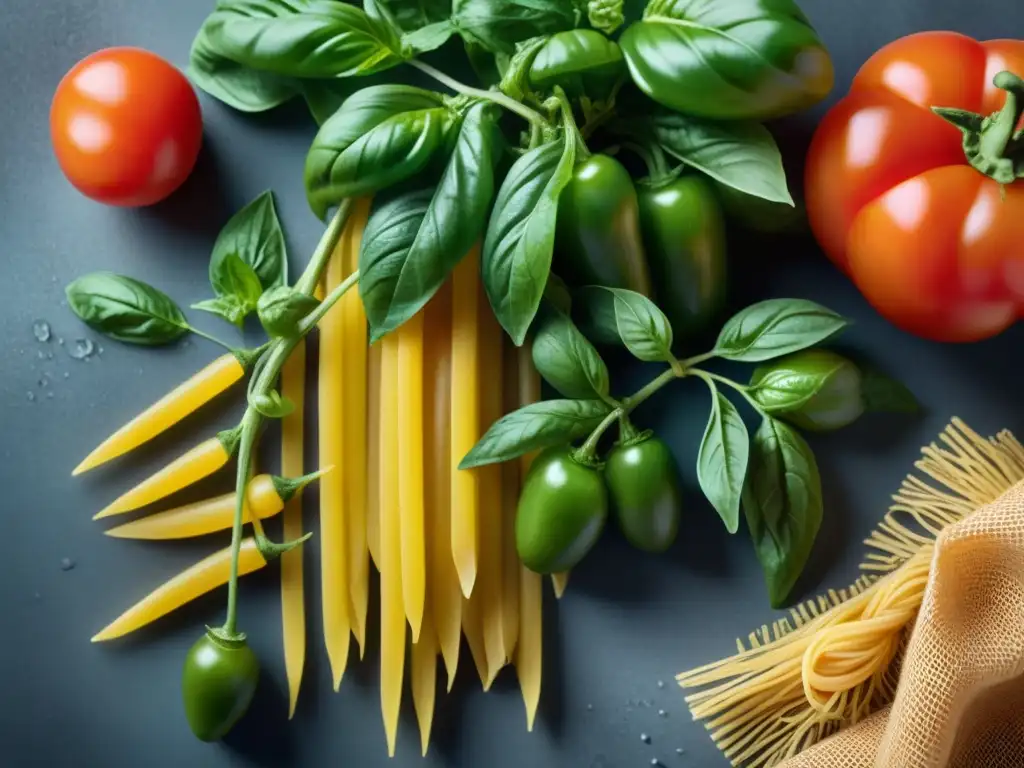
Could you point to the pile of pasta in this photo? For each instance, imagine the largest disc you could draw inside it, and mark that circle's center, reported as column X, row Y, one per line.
column 395, row 418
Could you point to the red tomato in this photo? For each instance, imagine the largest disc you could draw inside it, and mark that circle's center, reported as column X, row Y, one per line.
column 934, row 244
column 126, row 127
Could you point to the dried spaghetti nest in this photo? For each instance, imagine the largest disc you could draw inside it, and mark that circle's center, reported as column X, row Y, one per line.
column 835, row 660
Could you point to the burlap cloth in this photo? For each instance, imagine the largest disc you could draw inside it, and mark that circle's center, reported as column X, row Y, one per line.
column 960, row 700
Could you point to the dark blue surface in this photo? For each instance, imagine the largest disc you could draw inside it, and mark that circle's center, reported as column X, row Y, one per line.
column 628, row 620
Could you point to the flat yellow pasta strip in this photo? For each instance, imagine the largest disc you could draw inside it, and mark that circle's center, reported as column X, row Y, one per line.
column 491, row 525
column 559, row 581
column 444, row 591
column 510, row 484
column 392, row 612
column 473, row 629
column 354, row 423
column 293, row 612
column 465, row 417
column 334, row 572
column 373, row 453
column 410, row 470
column 424, row 679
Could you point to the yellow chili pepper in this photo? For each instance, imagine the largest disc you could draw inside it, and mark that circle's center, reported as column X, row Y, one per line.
column 265, row 497
column 169, row 410
column 204, row 576
column 191, row 467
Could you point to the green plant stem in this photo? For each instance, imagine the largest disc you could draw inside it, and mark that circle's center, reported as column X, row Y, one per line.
column 208, row 337
column 530, row 115
column 310, row 321
column 709, row 377
column 697, row 359
column 588, row 451
column 572, row 132
column 269, row 369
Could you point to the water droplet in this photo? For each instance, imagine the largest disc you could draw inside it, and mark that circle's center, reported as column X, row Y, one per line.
column 661, row 683
column 49, row 395
column 41, row 355
column 680, row 751
column 590, row 707
column 67, row 564
column 41, row 330
column 44, row 381
column 49, row 355
column 645, row 738
column 655, row 761
column 99, row 349
column 60, row 340
column 67, row 375
column 662, row 713
column 31, row 397
column 82, row 349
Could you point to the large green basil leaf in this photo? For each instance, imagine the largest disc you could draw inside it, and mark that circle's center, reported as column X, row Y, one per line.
column 742, row 155
column 722, row 459
column 536, row 426
column 520, row 237
column 774, row 328
column 238, row 86
column 728, row 60
column 816, row 389
column 498, row 25
column 255, row 236
column 126, row 309
column 303, row 38
column 567, row 361
column 782, row 504
column 343, row 164
column 429, row 38
column 643, row 327
column 581, row 61
column 411, row 15
column 413, row 242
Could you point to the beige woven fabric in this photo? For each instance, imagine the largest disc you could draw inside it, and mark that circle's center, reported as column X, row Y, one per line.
column 960, row 700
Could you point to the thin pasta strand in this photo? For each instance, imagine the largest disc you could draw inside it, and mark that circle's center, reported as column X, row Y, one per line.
column 373, row 453
column 424, row 679
column 510, row 485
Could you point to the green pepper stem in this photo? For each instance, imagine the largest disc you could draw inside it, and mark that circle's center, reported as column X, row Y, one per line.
column 248, row 357
column 588, row 451
column 250, row 422
column 530, row 115
column 310, row 321
column 572, row 131
column 328, row 242
column 287, row 487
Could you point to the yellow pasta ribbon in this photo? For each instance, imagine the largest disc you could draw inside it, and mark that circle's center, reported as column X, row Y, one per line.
column 410, row 469
column 188, row 397
column 293, row 612
column 373, row 453
column 465, row 428
column 204, row 576
column 424, row 680
column 191, row 467
column 510, row 485
column 392, row 611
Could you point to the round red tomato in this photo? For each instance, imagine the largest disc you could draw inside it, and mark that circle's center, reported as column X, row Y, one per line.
column 126, row 127
column 933, row 243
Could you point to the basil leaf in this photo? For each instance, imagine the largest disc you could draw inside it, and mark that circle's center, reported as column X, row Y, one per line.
column 740, row 155
column 728, row 61
column 413, row 242
column 126, row 309
column 774, row 328
column 229, row 308
column 643, row 327
column 281, row 310
column 234, row 279
column 883, row 394
column 395, row 149
column 722, row 459
column 581, row 61
column 411, row 15
column 515, row 82
column 325, row 97
column 521, row 233
column 815, row 389
column 567, row 361
column 782, row 504
column 498, row 25
column 303, row 38
column 429, row 38
column 606, row 15
column 535, row 426
column 255, row 236
column 238, row 86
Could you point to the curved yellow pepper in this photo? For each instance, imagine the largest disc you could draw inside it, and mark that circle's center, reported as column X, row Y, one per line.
column 191, row 467
column 204, row 576
column 168, row 411
column 265, row 497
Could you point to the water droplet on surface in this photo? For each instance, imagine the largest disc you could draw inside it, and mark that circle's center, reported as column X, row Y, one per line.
column 41, row 355
column 661, row 683
column 662, row 713
column 49, row 395
column 60, row 340
column 655, row 761
column 99, row 349
column 680, row 751
column 31, row 397
column 67, row 375
column 82, row 349
column 67, row 564
column 41, row 330
column 645, row 738
column 590, row 707
column 44, row 381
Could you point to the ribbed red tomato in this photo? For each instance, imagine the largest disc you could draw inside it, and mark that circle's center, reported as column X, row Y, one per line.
column 925, row 216
column 126, row 127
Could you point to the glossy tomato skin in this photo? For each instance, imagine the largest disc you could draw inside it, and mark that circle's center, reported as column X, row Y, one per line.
column 126, row 127
column 891, row 199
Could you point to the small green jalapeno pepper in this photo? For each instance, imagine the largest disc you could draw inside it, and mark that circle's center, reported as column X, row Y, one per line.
column 218, row 684
column 684, row 239
column 581, row 61
column 561, row 513
column 597, row 233
column 646, row 491
column 815, row 389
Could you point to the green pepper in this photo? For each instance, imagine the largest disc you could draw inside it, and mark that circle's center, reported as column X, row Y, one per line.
column 815, row 389
column 597, row 234
column 561, row 513
column 581, row 61
column 727, row 61
column 684, row 239
column 643, row 480
column 218, row 683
